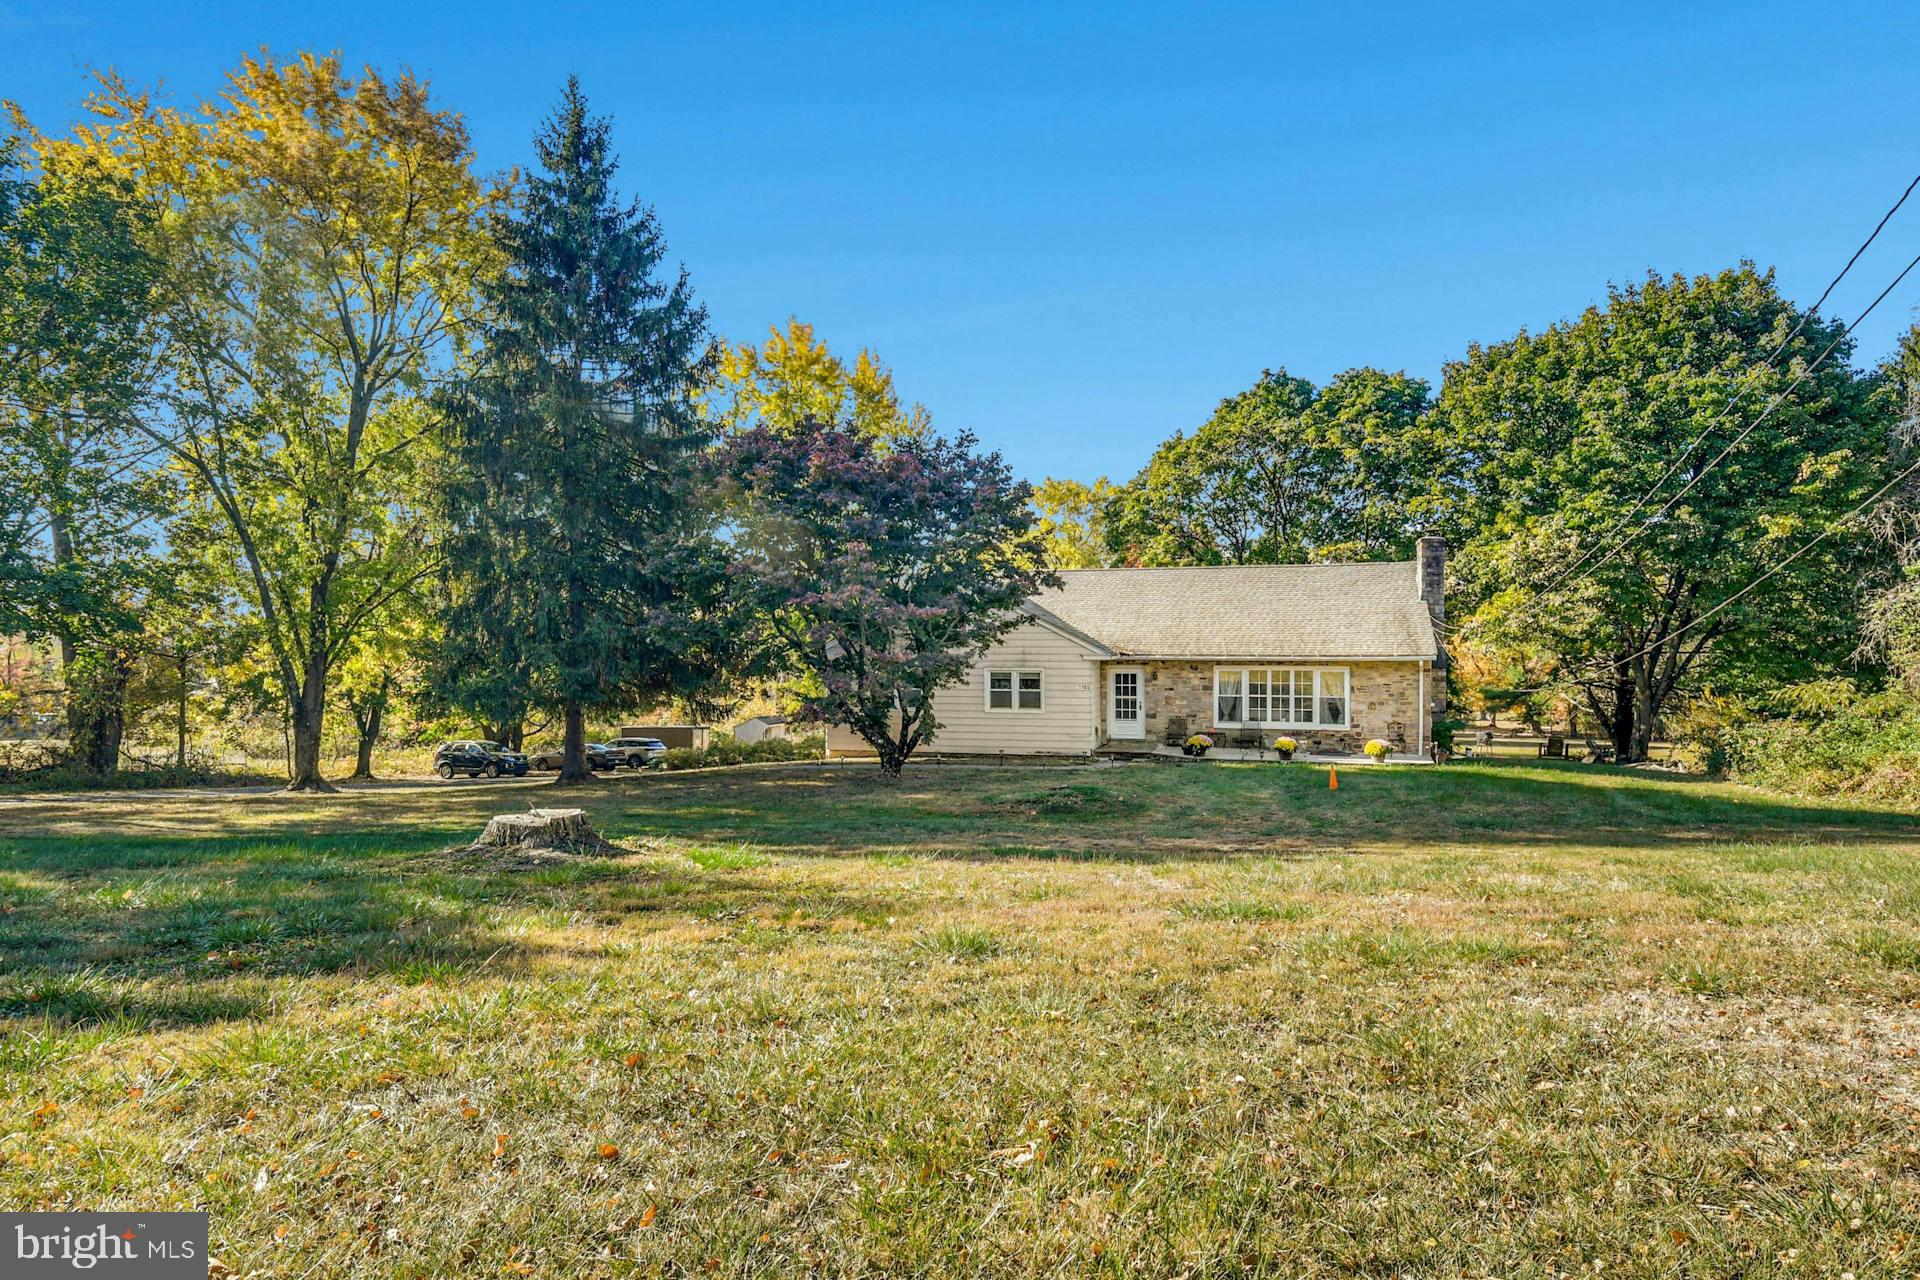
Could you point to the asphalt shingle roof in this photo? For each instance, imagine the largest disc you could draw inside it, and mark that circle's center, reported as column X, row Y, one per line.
column 1369, row 610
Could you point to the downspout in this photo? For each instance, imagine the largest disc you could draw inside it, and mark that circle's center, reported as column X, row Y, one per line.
column 1420, row 715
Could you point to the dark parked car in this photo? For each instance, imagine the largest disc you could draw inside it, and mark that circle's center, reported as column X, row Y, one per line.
column 474, row 757
column 639, row 752
column 599, row 756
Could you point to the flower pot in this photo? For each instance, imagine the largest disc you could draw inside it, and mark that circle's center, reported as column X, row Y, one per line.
column 1284, row 755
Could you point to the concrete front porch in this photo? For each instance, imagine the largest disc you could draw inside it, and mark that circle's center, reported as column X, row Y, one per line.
column 1125, row 750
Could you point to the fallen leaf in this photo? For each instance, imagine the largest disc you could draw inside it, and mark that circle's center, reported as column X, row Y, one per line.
column 609, row 1152
column 646, row 1219
column 636, row 1059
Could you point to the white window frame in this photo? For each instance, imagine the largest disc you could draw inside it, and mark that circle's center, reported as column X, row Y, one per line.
column 1014, row 675
column 1243, row 672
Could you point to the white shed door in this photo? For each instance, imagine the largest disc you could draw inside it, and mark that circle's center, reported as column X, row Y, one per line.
column 1126, row 711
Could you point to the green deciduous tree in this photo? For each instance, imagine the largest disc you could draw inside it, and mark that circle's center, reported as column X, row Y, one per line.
column 573, row 505
column 1286, row 472
column 78, row 491
column 882, row 570
column 1561, row 432
column 321, row 234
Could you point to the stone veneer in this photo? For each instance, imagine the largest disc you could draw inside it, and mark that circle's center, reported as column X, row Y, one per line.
column 1385, row 704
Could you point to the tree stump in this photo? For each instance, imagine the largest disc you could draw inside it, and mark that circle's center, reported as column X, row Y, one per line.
column 541, row 831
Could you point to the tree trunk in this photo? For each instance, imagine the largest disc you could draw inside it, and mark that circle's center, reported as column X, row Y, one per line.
column 96, row 681
column 573, row 764
column 896, row 746
column 366, row 722
column 1622, row 722
column 96, row 706
column 308, row 712
column 1640, row 740
column 180, row 723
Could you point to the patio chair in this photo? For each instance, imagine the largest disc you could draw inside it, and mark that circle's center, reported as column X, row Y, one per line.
column 1249, row 740
column 1176, row 731
column 1554, row 748
column 1599, row 752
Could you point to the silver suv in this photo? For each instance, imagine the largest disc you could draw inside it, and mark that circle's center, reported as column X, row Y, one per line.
column 639, row 752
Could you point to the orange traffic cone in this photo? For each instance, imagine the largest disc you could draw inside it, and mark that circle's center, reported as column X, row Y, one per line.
column 1333, row 778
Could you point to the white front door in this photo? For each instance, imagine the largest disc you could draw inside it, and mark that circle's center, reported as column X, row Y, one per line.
column 1126, row 703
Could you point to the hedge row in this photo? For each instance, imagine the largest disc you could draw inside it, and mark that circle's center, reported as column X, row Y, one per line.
column 723, row 749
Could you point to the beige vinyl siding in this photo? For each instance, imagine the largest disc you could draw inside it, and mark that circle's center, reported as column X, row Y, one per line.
column 1064, row 725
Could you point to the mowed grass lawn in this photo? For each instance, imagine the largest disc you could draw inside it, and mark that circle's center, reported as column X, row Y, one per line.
column 1489, row 1020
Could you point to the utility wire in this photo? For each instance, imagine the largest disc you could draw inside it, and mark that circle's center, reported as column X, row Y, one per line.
column 1733, row 397
column 1751, row 427
column 1614, row 665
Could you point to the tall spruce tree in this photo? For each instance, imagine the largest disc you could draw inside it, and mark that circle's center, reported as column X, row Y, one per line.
column 574, row 515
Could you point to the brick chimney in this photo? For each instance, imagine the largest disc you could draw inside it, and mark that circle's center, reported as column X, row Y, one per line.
column 1430, row 568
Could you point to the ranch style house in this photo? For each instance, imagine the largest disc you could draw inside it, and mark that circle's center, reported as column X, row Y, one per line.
column 1330, row 655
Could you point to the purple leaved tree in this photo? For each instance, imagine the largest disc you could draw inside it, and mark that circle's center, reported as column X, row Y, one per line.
column 882, row 569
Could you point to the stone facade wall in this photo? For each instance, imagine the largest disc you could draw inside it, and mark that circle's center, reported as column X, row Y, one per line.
column 1385, row 703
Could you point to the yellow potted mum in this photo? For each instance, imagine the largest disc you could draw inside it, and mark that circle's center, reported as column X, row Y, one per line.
column 1378, row 750
column 1285, row 747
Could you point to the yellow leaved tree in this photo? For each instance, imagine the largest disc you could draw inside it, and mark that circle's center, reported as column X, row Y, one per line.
column 321, row 234
column 793, row 377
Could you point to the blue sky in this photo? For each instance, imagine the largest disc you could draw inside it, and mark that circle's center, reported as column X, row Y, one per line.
column 1073, row 229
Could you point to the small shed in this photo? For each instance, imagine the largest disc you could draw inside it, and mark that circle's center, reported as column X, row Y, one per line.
column 762, row 728
column 692, row 736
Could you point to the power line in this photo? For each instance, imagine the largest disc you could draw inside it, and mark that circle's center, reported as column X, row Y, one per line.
column 1614, row 665
column 1734, row 396
column 1735, row 443
column 1751, row 427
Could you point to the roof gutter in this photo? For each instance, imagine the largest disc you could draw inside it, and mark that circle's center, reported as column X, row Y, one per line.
column 1271, row 657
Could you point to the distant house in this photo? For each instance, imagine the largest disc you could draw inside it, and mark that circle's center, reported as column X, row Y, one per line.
column 761, row 728
column 1330, row 655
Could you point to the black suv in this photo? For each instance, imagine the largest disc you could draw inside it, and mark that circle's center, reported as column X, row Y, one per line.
column 474, row 757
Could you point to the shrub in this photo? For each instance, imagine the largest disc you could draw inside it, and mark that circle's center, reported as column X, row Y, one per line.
column 1443, row 731
column 1828, row 743
column 724, row 749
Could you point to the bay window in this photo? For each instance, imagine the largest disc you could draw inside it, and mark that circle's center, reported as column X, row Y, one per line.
column 1281, row 697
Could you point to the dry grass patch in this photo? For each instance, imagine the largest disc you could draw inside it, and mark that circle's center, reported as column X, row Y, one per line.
column 1210, row 1021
